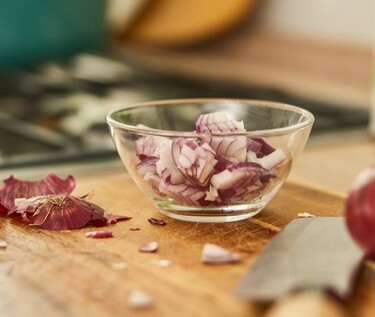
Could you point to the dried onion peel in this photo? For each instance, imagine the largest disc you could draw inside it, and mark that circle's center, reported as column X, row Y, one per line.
column 58, row 212
column 14, row 188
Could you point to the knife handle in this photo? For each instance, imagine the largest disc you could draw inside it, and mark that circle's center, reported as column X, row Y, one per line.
column 307, row 304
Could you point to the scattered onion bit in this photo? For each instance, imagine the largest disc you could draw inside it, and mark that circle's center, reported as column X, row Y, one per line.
column 305, row 215
column 119, row 266
column 57, row 212
column 3, row 244
column 150, row 247
column 138, row 299
column 162, row 263
column 99, row 234
column 112, row 219
column 213, row 254
column 158, row 222
column 270, row 231
column 135, row 229
column 51, row 184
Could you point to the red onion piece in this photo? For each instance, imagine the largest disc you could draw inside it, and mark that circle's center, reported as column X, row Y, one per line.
column 272, row 160
column 166, row 167
column 57, row 212
column 158, row 222
column 253, row 145
column 112, row 219
column 211, row 194
column 51, row 184
column 184, row 193
column 360, row 211
column 265, row 149
column 195, row 161
column 213, row 254
column 238, row 175
column 99, row 234
column 147, row 146
column 232, row 148
column 150, row 247
column 148, row 165
column 222, row 163
column 207, row 119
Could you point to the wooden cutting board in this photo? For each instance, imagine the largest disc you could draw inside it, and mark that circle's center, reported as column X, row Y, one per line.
column 63, row 273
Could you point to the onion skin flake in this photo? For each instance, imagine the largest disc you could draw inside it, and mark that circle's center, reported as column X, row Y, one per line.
column 51, row 184
column 57, row 212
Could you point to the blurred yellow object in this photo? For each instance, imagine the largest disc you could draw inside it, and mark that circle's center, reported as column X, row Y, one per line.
column 186, row 22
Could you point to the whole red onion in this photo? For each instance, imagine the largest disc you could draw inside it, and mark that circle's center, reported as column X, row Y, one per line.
column 360, row 211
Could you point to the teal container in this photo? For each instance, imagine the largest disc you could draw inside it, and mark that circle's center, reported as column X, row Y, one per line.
column 34, row 31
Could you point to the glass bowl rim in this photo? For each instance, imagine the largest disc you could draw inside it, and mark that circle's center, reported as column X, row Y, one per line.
column 190, row 134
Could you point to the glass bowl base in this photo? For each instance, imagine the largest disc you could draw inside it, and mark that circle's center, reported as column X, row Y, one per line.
column 228, row 213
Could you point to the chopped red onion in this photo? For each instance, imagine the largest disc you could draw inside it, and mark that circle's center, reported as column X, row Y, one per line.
column 147, row 146
column 150, row 247
column 184, row 193
column 195, row 161
column 158, row 222
column 265, row 149
column 51, row 184
column 207, row 119
column 111, row 219
column 210, row 169
column 166, row 167
column 99, row 234
column 272, row 160
column 148, row 165
column 253, row 145
column 3, row 244
column 213, row 254
column 232, row 148
column 238, row 175
column 211, row 194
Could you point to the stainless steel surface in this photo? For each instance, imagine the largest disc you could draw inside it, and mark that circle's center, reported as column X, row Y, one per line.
column 312, row 253
column 55, row 113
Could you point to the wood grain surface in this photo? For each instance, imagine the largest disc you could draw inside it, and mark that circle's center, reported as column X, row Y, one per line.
column 63, row 273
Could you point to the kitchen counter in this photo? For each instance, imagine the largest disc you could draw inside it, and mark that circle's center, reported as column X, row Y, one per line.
column 332, row 161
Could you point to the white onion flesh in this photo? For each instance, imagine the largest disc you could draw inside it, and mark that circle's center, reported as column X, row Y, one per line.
column 210, row 169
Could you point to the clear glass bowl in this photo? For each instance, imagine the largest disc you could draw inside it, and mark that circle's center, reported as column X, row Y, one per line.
column 221, row 174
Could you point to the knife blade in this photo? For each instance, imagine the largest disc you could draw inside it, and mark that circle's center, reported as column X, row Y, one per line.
column 309, row 254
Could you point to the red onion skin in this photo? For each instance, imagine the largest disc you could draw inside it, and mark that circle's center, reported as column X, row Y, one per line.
column 51, row 184
column 360, row 211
